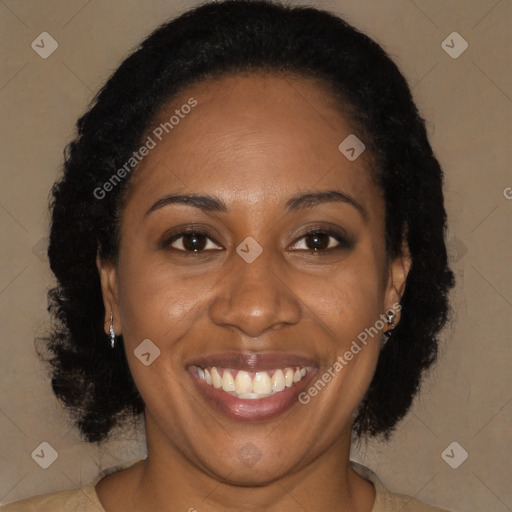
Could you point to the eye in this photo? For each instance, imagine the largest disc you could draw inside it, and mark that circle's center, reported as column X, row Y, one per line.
column 191, row 241
column 316, row 241
column 322, row 240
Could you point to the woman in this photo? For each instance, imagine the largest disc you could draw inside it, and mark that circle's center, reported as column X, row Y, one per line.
column 249, row 245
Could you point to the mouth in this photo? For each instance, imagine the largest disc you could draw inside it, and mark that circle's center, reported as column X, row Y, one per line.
column 252, row 387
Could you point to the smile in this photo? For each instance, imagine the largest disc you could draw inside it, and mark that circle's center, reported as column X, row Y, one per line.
column 252, row 385
column 248, row 386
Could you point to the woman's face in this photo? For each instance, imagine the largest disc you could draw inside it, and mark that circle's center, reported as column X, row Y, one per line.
column 254, row 300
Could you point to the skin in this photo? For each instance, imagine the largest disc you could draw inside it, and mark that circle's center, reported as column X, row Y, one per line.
column 252, row 141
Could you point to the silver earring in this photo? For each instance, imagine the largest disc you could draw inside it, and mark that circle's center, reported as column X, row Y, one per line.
column 391, row 315
column 112, row 333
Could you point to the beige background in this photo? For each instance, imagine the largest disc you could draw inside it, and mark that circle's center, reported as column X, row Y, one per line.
column 468, row 103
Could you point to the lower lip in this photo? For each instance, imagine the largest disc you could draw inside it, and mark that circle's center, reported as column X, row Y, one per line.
column 258, row 409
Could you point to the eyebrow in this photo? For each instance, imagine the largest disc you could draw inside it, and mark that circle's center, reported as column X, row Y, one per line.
column 309, row 200
column 298, row 202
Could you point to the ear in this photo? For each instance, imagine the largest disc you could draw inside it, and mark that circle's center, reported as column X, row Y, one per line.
column 109, row 290
column 397, row 276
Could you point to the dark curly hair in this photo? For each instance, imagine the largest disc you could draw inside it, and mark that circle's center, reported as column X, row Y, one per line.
column 228, row 37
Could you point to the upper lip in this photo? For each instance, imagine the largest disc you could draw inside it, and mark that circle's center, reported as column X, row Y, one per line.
column 252, row 361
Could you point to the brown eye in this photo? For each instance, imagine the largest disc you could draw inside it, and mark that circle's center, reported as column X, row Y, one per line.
column 191, row 241
column 318, row 241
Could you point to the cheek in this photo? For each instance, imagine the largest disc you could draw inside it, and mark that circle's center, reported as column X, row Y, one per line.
column 157, row 303
column 349, row 300
column 350, row 313
column 349, row 304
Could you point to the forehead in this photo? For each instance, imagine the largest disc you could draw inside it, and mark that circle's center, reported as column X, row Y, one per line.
column 250, row 138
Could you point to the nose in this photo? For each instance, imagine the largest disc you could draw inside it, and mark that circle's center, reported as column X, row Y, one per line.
column 254, row 298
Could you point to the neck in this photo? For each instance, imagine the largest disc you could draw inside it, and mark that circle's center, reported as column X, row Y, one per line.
column 171, row 480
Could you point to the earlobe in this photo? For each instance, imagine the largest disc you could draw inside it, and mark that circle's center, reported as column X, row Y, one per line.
column 108, row 278
column 398, row 271
column 403, row 264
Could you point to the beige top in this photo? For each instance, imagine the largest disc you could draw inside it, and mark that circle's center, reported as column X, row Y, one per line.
column 85, row 499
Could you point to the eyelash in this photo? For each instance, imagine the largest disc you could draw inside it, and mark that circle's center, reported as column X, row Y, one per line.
column 343, row 240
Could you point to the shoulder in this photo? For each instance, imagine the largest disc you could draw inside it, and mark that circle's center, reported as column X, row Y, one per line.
column 387, row 501
column 82, row 499
column 76, row 500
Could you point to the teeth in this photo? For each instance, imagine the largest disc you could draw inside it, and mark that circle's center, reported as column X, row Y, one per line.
column 250, row 396
column 243, row 383
column 228, row 383
column 288, row 377
column 251, row 385
column 261, row 384
column 278, row 382
column 217, row 381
